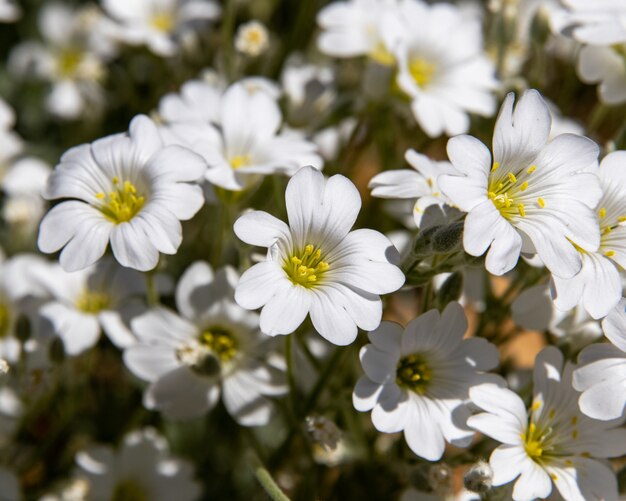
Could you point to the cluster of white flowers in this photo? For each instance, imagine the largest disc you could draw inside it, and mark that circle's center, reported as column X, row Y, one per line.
column 209, row 280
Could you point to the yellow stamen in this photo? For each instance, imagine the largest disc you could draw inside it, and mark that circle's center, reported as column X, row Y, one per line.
column 512, row 178
column 422, row 71
column 531, row 169
column 495, row 166
column 541, row 202
column 122, row 204
column 306, row 268
column 524, row 186
column 609, row 253
column 521, row 209
column 602, row 212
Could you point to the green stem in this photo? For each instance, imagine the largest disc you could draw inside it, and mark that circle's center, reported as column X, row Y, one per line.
column 265, row 479
column 151, row 290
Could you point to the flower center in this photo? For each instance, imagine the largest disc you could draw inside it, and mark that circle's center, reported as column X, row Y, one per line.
column 5, row 320
column 534, row 442
column 422, row 71
column 239, row 161
column 306, row 268
column 506, row 191
column 129, row 490
column 381, row 55
column 92, row 301
column 121, row 204
column 162, row 21
column 221, row 342
column 67, row 62
column 414, row 373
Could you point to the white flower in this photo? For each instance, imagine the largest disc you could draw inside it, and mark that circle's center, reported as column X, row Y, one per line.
column 103, row 297
column 142, row 468
column 419, row 184
column 72, row 58
column 532, row 197
column 197, row 101
column 354, row 28
column 158, row 23
column 11, row 411
column 316, row 264
column 598, row 285
column 600, row 375
column 9, row 11
column 126, row 189
column 252, row 38
column 417, row 379
column 601, row 22
column 10, row 143
column 604, row 65
column 553, row 442
column 213, row 346
column 534, row 309
column 248, row 144
column 442, row 66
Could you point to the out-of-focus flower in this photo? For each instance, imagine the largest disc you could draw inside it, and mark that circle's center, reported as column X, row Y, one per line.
column 598, row 285
column 213, row 346
column 417, row 379
column 142, row 468
column 11, row 410
column 198, row 101
column 354, row 28
column 10, row 485
column 316, row 264
column 601, row 22
column 600, row 375
column 324, row 431
column 103, row 297
column 130, row 190
column 72, row 58
column 10, row 143
column 9, row 11
column 419, row 184
column 551, row 443
column 252, row 38
column 159, row 24
column 604, row 65
column 445, row 77
column 248, row 144
column 533, row 197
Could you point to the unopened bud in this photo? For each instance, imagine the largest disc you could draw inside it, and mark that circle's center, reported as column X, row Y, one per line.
column 440, row 479
column 447, row 238
column 324, row 431
column 450, row 290
column 479, row 477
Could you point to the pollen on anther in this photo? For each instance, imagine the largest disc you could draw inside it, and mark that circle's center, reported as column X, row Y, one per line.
column 541, row 202
column 602, row 212
column 521, row 209
column 100, row 195
column 621, row 219
column 512, row 178
column 609, row 253
column 495, row 166
column 531, row 169
column 524, row 186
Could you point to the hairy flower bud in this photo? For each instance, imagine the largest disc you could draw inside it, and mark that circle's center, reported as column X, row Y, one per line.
column 479, row 477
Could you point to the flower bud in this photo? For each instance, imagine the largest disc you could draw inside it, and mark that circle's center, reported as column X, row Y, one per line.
column 447, row 238
column 479, row 477
column 450, row 290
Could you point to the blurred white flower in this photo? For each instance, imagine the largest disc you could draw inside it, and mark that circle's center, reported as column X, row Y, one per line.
column 532, row 197
column 354, row 28
column 9, row 11
column 248, row 144
column 72, row 58
column 213, row 346
column 142, row 468
column 252, row 38
column 130, row 190
column 419, row 184
column 197, row 101
column 600, row 374
column 316, row 265
column 600, row 22
column 598, row 285
column 446, row 77
column 11, row 411
column 10, row 485
column 604, row 65
column 417, row 379
column 10, row 143
column 159, row 24
column 552, row 442
column 103, row 297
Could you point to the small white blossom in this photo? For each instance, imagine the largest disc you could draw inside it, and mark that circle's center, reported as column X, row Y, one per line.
column 316, row 264
column 532, row 196
column 159, row 24
column 130, row 190
column 446, row 77
column 252, row 39
column 600, row 22
column 598, row 285
column 9, row 11
column 551, row 443
column 600, row 375
column 417, row 379
column 142, row 468
column 604, row 66
column 212, row 347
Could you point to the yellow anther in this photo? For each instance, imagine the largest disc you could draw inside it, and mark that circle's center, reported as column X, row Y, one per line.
column 116, row 180
column 521, row 210
column 296, row 260
column 492, row 195
column 495, row 166
column 551, row 414
column 536, row 405
column 436, row 194
column 429, row 181
column 312, row 278
column 575, row 434
column 317, row 254
column 322, row 266
column 120, row 205
column 554, row 477
column 621, row 219
column 239, row 161
column 568, row 462
column 308, row 249
column 512, row 178
column 602, row 212
column 574, row 419
column 607, row 230
column 422, row 71
column 500, row 186
column 609, row 253
column 100, row 195
column 531, row 169
column 305, row 268
column 541, row 202
column 524, row 186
